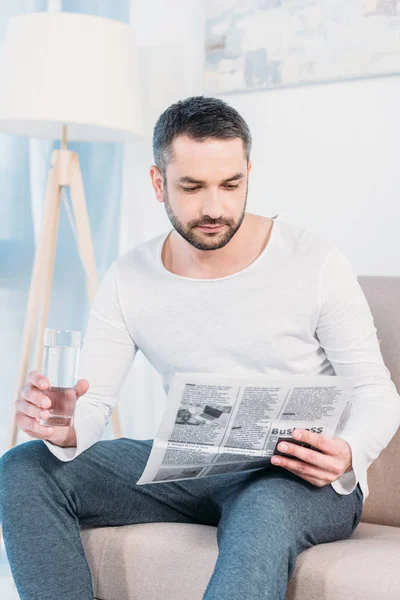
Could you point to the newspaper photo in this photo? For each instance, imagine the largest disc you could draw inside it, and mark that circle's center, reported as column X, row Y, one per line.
column 214, row 424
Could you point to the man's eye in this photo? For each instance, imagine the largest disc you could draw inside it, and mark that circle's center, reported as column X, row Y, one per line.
column 193, row 189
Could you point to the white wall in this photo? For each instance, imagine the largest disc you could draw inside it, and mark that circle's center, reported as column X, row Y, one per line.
column 325, row 156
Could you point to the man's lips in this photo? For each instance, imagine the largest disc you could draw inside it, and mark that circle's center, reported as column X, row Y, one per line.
column 210, row 228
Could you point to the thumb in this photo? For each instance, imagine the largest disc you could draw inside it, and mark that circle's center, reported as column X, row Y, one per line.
column 81, row 387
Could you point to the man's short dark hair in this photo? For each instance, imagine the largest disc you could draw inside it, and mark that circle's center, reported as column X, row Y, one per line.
column 200, row 118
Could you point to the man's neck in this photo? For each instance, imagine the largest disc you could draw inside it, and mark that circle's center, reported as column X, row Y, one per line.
column 249, row 241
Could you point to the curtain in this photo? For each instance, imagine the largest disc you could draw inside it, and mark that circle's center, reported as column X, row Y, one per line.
column 24, row 164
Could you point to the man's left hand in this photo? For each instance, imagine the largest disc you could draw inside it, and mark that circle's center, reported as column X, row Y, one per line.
column 319, row 468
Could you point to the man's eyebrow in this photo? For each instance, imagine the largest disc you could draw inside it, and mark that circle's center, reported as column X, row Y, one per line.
column 187, row 179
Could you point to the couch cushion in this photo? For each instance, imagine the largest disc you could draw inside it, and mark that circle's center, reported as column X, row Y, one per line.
column 362, row 567
column 174, row 561
column 151, row 561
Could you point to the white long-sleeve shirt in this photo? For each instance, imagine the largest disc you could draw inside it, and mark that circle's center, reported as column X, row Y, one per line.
column 296, row 309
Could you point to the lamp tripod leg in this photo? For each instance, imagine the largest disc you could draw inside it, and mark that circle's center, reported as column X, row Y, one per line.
column 39, row 291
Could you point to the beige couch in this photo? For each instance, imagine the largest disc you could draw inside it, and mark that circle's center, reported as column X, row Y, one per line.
column 173, row 561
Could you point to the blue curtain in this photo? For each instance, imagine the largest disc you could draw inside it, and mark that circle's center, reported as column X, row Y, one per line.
column 24, row 164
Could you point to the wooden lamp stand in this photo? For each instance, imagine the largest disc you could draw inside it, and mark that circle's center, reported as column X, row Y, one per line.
column 64, row 171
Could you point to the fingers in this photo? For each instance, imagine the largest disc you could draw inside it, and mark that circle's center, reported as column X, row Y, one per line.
column 34, row 396
column 32, row 426
column 314, row 439
column 81, row 387
column 33, row 404
column 318, row 468
column 304, row 470
column 31, row 410
column 38, row 380
column 309, row 456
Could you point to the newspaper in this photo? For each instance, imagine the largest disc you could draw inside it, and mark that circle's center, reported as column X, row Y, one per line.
column 215, row 424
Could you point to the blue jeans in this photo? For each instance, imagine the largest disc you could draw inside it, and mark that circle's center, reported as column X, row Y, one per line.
column 265, row 518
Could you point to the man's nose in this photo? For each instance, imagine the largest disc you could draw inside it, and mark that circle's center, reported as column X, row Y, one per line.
column 212, row 206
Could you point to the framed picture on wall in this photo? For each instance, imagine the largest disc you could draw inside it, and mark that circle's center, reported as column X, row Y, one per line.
column 266, row 44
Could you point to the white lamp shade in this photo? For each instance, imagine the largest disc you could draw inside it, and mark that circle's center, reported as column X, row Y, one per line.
column 70, row 69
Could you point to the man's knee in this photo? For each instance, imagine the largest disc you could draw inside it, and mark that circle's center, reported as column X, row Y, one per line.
column 266, row 510
column 18, row 466
column 25, row 451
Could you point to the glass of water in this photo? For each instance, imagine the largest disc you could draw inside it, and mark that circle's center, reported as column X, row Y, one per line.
column 60, row 366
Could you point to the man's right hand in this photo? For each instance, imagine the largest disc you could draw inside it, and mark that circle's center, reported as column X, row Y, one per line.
column 32, row 405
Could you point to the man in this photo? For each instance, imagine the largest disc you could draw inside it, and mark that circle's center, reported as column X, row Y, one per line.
column 223, row 291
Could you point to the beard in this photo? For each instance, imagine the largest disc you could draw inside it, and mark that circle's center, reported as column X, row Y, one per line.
column 202, row 240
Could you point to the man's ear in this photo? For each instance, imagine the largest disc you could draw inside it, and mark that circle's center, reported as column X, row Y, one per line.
column 157, row 182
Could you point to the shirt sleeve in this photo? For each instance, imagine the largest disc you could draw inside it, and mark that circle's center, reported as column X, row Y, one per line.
column 347, row 333
column 107, row 353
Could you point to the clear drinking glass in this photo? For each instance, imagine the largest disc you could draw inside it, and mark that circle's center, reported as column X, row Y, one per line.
column 60, row 365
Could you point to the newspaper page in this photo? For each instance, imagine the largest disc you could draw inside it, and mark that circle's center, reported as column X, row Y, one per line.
column 214, row 424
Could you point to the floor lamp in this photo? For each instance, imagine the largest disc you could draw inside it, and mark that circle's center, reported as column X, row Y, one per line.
column 74, row 77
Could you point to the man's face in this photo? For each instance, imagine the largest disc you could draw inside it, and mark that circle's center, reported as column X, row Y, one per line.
column 205, row 190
